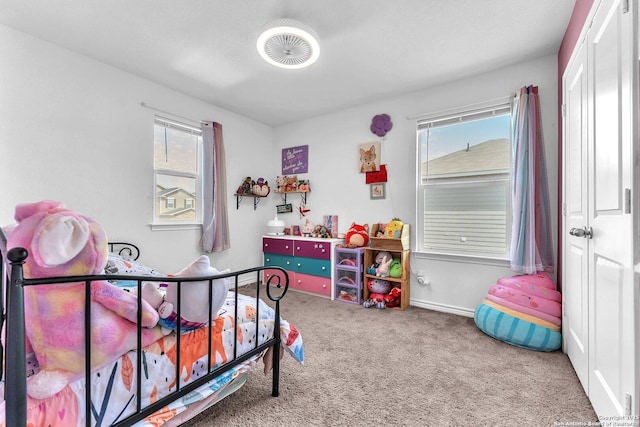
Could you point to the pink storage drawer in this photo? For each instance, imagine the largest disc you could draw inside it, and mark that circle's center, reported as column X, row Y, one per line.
column 308, row 283
column 277, row 246
column 320, row 250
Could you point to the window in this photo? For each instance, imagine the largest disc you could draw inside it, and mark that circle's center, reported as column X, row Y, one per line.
column 177, row 173
column 464, row 183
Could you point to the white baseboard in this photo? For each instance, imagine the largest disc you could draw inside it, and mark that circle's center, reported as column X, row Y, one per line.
column 445, row 308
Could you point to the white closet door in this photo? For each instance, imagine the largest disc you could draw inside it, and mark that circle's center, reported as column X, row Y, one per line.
column 598, row 250
column 575, row 289
column 576, row 249
column 611, row 295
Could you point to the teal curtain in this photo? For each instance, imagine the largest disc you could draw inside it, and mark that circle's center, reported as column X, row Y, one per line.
column 531, row 242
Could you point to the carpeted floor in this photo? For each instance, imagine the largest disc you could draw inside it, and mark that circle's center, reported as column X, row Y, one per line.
column 371, row 367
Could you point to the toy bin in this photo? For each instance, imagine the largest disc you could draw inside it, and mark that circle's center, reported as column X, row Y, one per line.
column 348, row 294
column 347, row 275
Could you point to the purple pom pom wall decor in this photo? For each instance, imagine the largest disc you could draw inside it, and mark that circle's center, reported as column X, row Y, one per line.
column 381, row 124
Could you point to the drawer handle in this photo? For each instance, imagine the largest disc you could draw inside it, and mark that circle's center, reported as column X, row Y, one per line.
column 286, row 246
column 323, row 251
column 266, row 245
column 299, row 281
column 299, row 264
column 288, row 262
column 324, row 286
column 268, row 259
column 324, row 268
column 298, row 248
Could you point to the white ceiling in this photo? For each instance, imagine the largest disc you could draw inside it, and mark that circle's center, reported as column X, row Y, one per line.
column 370, row 49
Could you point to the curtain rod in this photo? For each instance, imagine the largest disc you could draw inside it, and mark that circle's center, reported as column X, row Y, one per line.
column 145, row 105
column 486, row 104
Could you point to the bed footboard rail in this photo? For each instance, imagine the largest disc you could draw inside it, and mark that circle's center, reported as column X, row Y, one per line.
column 275, row 286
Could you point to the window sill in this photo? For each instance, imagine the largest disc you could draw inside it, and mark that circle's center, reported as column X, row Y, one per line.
column 173, row 227
column 467, row 259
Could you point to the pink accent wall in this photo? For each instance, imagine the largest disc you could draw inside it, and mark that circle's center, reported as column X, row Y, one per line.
column 569, row 41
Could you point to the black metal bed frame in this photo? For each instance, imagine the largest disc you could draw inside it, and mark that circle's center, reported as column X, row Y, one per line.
column 13, row 283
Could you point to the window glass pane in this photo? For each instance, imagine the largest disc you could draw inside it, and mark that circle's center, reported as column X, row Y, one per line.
column 175, row 149
column 465, row 175
column 172, row 193
column 474, row 149
column 177, row 157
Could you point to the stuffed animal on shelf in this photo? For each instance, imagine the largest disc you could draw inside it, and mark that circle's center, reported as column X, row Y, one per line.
column 375, row 300
column 61, row 242
column 392, row 299
column 395, row 269
column 357, row 236
column 382, row 263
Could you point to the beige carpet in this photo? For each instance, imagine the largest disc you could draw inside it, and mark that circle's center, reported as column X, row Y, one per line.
column 370, row 367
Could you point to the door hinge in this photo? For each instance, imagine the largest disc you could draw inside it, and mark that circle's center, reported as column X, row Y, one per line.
column 627, row 404
column 564, row 110
column 627, row 200
column 625, row 6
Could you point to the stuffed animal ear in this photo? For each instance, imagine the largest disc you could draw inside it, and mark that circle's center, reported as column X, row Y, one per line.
column 59, row 238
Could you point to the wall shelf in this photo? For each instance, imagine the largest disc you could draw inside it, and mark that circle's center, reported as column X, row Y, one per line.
column 256, row 199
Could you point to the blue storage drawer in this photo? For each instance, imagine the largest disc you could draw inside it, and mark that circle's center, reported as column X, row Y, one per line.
column 275, row 260
column 313, row 266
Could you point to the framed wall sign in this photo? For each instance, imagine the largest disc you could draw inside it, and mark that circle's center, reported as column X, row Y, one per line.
column 295, row 160
column 377, row 191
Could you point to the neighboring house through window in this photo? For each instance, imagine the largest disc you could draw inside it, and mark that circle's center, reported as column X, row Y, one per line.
column 464, row 183
column 177, row 173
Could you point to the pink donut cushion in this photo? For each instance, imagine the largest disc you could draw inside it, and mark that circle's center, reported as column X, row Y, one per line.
column 524, row 299
column 539, row 279
column 524, row 309
column 534, row 290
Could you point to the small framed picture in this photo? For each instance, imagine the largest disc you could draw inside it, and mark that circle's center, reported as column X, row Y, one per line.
column 377, row 191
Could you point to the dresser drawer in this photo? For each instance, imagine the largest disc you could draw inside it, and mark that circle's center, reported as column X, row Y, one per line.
column 277, row 246
column 320, row 250
column 316, row 267
column 279, row 279
column 314, row 284
column 283, row 261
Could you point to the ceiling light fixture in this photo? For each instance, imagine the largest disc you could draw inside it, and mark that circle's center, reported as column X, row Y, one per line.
column 287, row 43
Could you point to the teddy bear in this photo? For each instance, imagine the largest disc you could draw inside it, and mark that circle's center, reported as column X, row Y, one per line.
column 62, row 242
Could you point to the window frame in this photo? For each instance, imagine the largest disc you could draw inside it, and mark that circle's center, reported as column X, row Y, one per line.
column 157, row 223
column 461, row 115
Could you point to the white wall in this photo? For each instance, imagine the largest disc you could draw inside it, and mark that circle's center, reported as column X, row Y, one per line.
column 73, row 130
column 338, row 188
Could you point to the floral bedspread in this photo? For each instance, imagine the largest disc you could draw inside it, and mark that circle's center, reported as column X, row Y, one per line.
column 113, row 387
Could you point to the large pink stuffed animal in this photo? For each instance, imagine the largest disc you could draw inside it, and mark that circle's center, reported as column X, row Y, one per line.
column 61, row 242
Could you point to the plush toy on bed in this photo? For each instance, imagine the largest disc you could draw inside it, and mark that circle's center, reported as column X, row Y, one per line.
column 194, row 297
column 61, row 242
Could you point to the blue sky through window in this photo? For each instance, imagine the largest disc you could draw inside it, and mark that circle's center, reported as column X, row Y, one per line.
column 455, row 137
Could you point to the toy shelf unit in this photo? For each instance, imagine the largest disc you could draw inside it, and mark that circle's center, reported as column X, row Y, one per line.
column 400, row 248
column 308, row 260
column 347, row 275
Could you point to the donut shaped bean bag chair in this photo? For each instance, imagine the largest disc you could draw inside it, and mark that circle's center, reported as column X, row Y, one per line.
column 515, row 330
column 524, row 311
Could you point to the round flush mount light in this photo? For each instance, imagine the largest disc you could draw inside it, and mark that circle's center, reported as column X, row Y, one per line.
column 287, row 43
